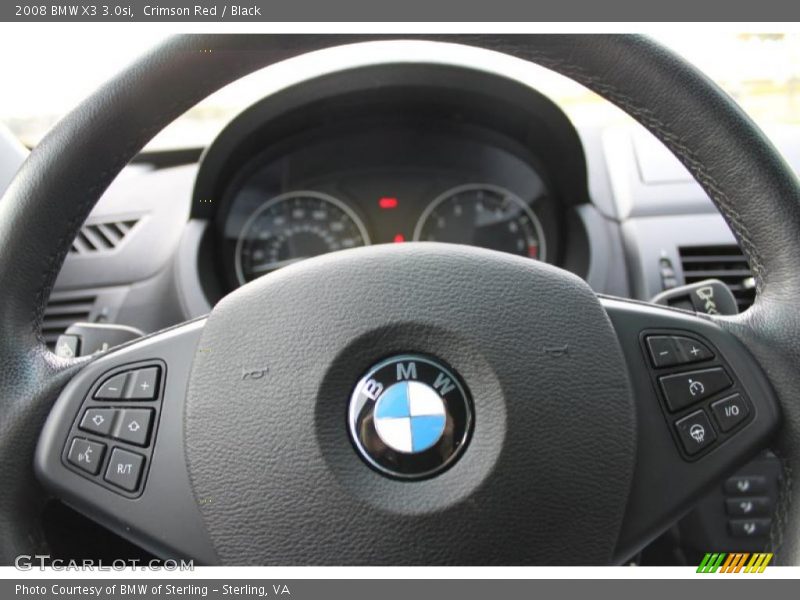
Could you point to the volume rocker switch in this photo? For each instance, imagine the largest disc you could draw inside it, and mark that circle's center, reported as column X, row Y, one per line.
column 672, row 350
column 112, row 388
column 143, row 384
column 663, row 351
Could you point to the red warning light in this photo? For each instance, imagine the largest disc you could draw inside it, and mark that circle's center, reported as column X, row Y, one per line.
column 387, row 203
column 399, row 238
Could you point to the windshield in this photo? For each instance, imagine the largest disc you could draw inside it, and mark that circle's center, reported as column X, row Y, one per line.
column 762, row 71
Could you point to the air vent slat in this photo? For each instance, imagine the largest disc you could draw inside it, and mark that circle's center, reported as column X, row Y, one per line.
column 101, row 237
column 80, row 245
column 112, row 234
column 85, row 242
column 714, row 259
column 61, row 312
column 68, row 309
column 71, row 300
column 95, row 237
column 706, row 273
column 726, row 263
column 63, row 321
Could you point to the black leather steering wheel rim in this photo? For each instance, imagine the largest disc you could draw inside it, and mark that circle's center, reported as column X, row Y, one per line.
column 65, row 175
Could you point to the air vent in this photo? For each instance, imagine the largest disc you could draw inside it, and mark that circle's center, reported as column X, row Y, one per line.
column 726, row 263
column 101, row 237
column 61, row 312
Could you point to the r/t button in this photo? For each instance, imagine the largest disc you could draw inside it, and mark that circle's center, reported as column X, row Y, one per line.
column 124, row 469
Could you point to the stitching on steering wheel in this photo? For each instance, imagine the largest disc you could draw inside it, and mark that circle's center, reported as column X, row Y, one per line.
column 83, row 208
column 677, row 145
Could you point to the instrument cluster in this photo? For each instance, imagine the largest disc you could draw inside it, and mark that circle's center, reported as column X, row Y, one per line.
column 386, row 184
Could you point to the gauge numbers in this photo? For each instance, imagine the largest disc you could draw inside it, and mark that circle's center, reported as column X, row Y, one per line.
column 483, row 215
column 294, row 226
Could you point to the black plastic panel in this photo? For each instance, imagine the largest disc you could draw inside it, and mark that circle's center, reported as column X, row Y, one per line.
column 142, row 450
column 709, row 527
column 673, row 416
column 667, row 485
column 164, row 517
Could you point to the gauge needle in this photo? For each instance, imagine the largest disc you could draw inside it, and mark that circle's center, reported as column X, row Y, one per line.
column 264, row 267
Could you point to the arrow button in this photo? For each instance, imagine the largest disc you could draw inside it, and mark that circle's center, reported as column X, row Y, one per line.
column 133, row 425
column 98, row 420
column 748, row 507
column 746, row 485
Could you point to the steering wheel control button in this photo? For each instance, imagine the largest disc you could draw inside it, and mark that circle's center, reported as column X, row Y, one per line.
column 143, row 384
column 86, row 455
column 748, row 507
column 745, row 485
column 68, row 346
column 124, row 469
column 730, row 411
column 691, row 350
column 683, row 389
column 744, row 528
column 663, row 351
column 98, row 420
column 695, row 432
column 133, row 425
column 112, row 388
column 410, row 417
column 672, row 350
column 115, row 409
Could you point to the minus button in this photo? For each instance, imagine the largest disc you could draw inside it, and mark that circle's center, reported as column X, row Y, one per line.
column 112, row 388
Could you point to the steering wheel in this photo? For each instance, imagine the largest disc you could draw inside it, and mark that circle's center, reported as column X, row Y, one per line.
column 572, row 427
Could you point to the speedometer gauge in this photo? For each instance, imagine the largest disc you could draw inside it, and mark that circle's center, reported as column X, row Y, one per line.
column 294, row 226
column 483, row 215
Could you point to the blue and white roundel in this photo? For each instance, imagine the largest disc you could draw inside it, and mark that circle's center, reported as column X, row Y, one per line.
column 409, row 417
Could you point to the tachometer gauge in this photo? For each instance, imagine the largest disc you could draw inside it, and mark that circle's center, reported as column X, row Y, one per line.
column 483, row 215
column 294, row 226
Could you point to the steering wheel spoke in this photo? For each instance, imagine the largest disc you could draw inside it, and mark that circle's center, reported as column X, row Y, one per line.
column 703, row 408
column 112, row 446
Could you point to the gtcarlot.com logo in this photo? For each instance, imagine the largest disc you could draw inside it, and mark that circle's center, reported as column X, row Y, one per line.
column 734, row 562
column 27, row 562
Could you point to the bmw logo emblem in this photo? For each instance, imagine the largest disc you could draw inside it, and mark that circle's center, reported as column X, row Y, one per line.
column 410, row 417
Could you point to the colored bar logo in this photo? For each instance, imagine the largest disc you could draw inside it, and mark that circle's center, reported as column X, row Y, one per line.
column 735, row 562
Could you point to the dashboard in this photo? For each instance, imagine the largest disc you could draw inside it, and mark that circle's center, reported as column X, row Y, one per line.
column 392, row 153
column 387, row 154
column 387, row 183
column 414, row 153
